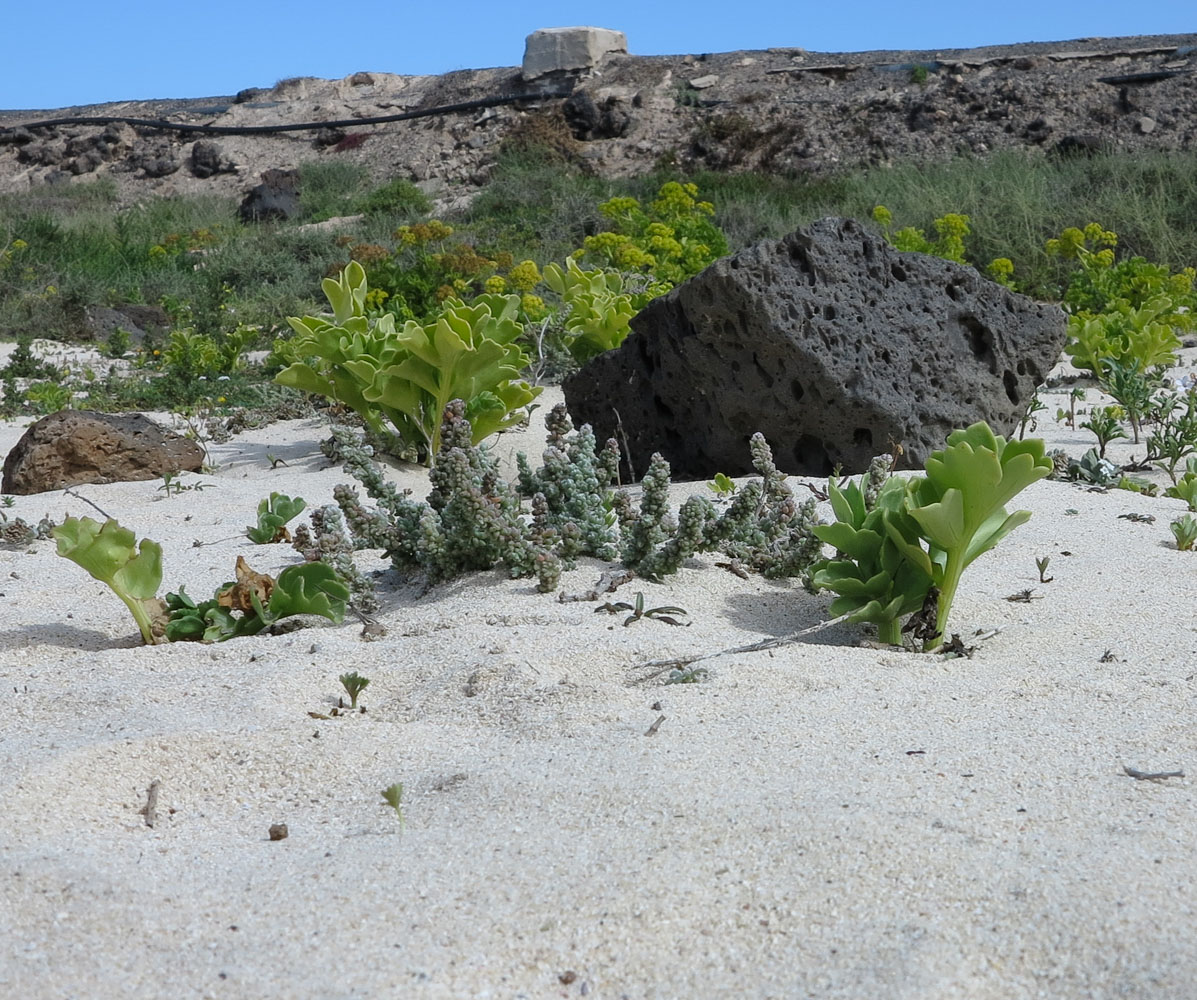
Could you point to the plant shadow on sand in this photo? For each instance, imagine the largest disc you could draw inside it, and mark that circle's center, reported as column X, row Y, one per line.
column 300, row 454
column 788, row 610
column 25, row 637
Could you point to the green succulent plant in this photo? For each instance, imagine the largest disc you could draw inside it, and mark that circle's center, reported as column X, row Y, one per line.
column 405, row 376
column 908, row 552
column 273, row 515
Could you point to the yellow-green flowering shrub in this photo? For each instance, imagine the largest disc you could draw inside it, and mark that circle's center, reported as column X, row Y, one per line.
column 670, row 240
column 1126, row 312
column 951, row 230
column 1001, row 270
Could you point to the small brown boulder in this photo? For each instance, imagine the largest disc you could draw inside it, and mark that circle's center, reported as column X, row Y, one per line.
column 71, row 447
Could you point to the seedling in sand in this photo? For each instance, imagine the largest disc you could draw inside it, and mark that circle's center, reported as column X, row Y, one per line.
column 354, row 684
column 172, row 486
column 1186, row 486
column 722, row 485
column 1104, row 422
column 394, row 798
column 273, row 515
column 639, row 611
column 687, row 675
column 8, row 500
column 1036, row 405
column 1074, row 397
column 1131, row 388
column 1175, row 437
column 1041, row 563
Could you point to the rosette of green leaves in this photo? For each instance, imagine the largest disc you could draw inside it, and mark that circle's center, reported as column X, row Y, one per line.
column 874, row 580
column 1132, row 337
column 599, row 307
column 959, row 505
column 925, row 532
column 406, row 376
column 467, row 353
column 273, row 513
column 312, row 588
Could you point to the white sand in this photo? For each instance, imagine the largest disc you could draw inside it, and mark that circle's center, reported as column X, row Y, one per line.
column 823, row 820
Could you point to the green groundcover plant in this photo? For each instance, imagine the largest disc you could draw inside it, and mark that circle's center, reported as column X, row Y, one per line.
column 133, row 570
column 273, row 515
column 599, row 306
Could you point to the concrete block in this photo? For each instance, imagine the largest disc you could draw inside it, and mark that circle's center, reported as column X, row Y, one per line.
column 548, row 50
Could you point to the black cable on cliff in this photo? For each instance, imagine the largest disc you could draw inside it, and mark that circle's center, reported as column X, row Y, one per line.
column 444, row 109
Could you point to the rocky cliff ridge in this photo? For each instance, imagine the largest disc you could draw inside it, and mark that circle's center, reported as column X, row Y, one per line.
column 784, row 110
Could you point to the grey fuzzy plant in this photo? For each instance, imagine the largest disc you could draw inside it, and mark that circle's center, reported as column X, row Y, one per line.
column 327, row 541
column 765, row 529
column 472, row 519
column 475, row 520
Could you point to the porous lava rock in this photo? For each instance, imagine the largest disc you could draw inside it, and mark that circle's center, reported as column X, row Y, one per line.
column 72, row 447
column 833, row 344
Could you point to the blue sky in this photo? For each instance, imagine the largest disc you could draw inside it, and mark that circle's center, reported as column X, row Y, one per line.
column 72, row 52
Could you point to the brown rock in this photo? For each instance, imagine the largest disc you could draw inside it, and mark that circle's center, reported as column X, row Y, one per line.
column 71, row 447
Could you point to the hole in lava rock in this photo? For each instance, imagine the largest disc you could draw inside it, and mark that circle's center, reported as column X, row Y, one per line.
column 1011, row 384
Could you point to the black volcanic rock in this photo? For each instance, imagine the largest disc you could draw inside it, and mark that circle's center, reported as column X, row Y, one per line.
column 833, row 344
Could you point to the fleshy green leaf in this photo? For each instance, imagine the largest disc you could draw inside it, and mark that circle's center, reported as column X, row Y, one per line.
column 273, row 513
column 312, row 588
column 406, row 376
column 112, row 555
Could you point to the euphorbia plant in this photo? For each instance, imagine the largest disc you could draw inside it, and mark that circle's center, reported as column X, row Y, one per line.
column 405, row 376
column 924, row 532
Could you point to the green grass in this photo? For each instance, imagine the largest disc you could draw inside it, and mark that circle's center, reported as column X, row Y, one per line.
column 536, row 208
column 1015, row 202
column 84, row 251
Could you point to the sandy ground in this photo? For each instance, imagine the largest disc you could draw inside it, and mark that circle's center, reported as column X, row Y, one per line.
column 822, row 820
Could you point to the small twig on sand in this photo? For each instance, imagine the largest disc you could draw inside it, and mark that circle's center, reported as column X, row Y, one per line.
column 197, row 544
column 658, row 667
column 150, row 811
column 1151, row 775
column 627, row 451
column 608, row 583
column 652, row 730
column 79, row 496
